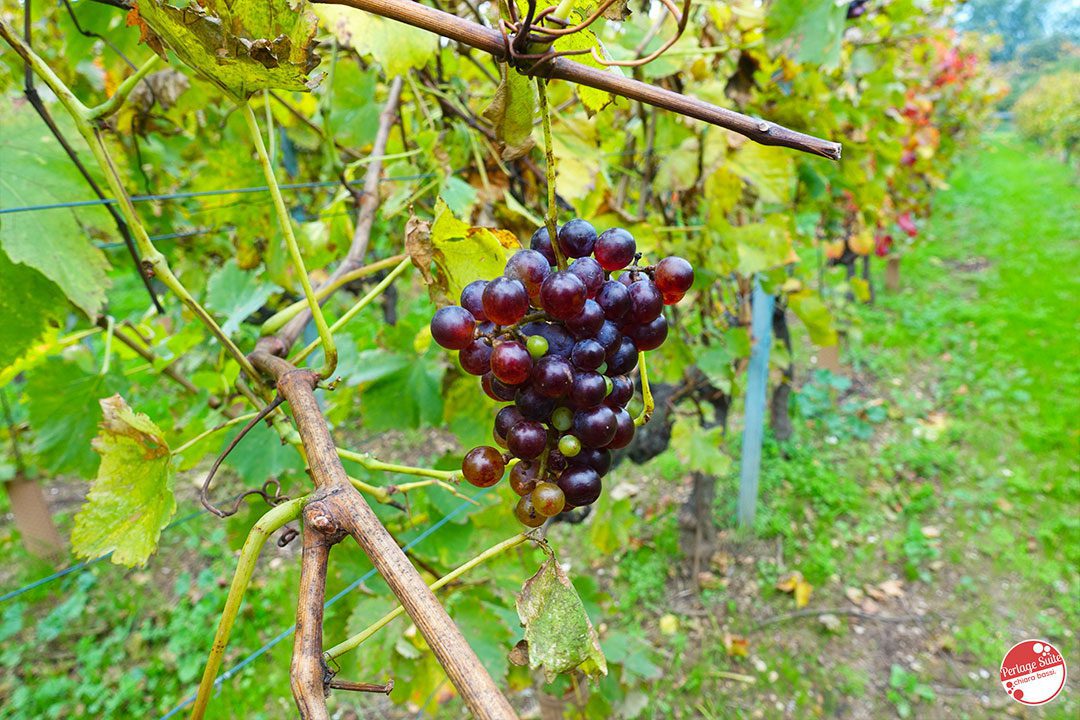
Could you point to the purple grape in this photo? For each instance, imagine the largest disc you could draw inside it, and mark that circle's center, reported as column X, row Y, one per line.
column 496, row 389
column 624, row 430
column 453, row 327
column 472, row 299
column 651, row 335
column 615, row 249
column 674, row 275
column 552, row 376
column 646, row 302
column 577, row 238
column 622, row 391
column 527, row 439
column 589, row 272
column 596, row 426
column 541, row 242
column 530, row 267
column 598, row 459
column 588, row 355
column 614, row 298
column 587, row 322
column 622, row 358
column 608, row 335
column 587, row 390
column 533, row 405
column 581, row 485
column 560, row 342
column 505, row 419
column 562, row 295
column 476, row 358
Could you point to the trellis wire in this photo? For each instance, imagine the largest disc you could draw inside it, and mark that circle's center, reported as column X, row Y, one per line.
column 231, row 672
column 85, row 564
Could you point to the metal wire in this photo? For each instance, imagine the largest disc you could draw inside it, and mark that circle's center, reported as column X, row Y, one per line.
column 77, row 567
column 231, row 672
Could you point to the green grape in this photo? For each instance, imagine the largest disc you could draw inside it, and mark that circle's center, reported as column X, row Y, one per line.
column 537, row 346
column 569, row 446
column 562, row 418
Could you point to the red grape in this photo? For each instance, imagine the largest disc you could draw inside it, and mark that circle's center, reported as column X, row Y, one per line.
column 496, row 389
column 646, row 302
column 527, row 439
column 511, row 362
column 507, row 418
column 529, row 267
column 476, row 358
column 562, row 295
column 552, row 376
column 472, row 299
column 587, row 390
column 581, row 485
column 577, row 238
column 588, row 355
column 614, row 298
column 589, row 272
column 624, row 430
column 541, row 242
column 533, row 405
column 587, row 322
column 453, row 327
column 615, row 249
column 505, row 301
column 483, row 466
column 523, row 477
column 674, row 275
column 650, row 335
column 596, row 426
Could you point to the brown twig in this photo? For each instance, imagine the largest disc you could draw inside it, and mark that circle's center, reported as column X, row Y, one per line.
column 492, row 42
column 309, row 673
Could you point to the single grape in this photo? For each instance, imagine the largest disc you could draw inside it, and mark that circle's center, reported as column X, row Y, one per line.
column 622, row 358
column 530, row 267
column 511, row 362
column 552, row 376
column 526, row 513
column 622, row 389
column 472, row 299
column 533, row 405
column 674, row 275
column 608, row 335
column 476, row 358
column 507, row 418
column 589, row 272
column 496, row 389
column 562, row 418
column 537, row 346
column 650, row 335
column 615, row 249
column 557, row 462
column 598, row 459
column 560, row 342
column 527, row 439
column 548, row 499
column 673, row 298
column 587, row 355
column 541, row 242
column 577, row 238
column 505, row 301
column 594, row 427
column 587, row 322
column 452, row 327
column 569, row 446
column 614, row 299
column 624, row 430
column 646, row 302
column 580, row 484
column 483, row 466
column 587, row 390
column 562, row 295
column 523, row 477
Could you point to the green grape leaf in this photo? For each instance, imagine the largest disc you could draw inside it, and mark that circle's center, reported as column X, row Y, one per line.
column 409, row 397
column 242, row 46
column 511, row 112
column 809, row 30
column 236, row 294
column 558, row 631
column 487, row 634
column 770, row 170
column 594, row 100
column 460, row 253
column 699, row 448
column 63, row 406
column 54, row 242
column 762, row 246
column 809, row 307
column 399, row 48
column 29, row 304
column 132, row 498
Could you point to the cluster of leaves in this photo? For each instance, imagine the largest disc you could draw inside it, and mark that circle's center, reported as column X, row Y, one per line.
column 1049, row 112
column 463, row 154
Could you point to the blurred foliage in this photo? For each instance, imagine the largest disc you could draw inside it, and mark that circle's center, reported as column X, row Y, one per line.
column 1049, row 113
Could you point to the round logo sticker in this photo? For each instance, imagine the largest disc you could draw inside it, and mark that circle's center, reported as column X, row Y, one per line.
column 1033, row 672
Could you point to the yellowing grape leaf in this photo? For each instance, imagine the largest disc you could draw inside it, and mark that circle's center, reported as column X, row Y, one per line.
column 394, row 45
column 559, row 634
column 242, row 46
column 511, row 113
column 461, row 253
column 770, row 170
column 132, row 499
column 762, row 246
column 815, row 315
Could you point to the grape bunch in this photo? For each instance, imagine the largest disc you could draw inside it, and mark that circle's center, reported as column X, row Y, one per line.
column 558, row 345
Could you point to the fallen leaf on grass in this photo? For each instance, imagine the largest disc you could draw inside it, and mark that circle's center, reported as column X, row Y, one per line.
column 736, row 645
column 855, row 595
column 795, row 584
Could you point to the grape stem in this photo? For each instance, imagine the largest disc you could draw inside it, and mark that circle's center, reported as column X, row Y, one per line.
column 552, row 215
column 356, row 640
column 648, row 404
column 326, row 337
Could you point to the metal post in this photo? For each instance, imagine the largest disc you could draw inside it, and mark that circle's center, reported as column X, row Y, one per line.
column 756, row 385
